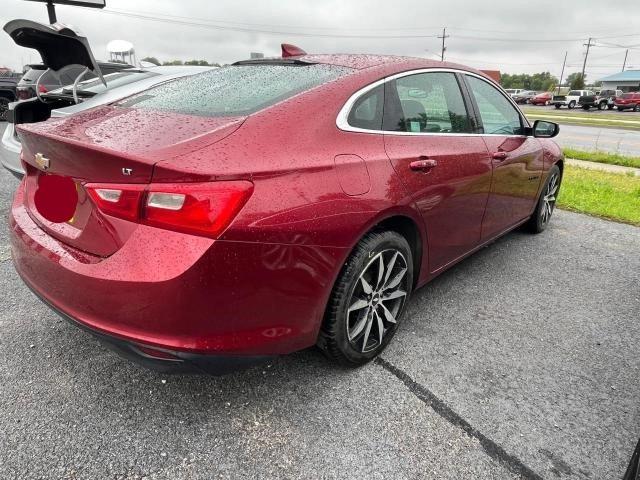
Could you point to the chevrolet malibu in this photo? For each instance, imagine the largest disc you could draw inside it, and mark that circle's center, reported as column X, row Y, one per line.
column 274, row 204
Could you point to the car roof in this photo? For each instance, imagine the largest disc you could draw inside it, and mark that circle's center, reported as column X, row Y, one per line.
column 363, row 61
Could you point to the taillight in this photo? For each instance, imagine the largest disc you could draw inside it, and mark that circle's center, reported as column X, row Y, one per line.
column 121, row 201
column 42, row 89
column 23, row 93
column 196, row 208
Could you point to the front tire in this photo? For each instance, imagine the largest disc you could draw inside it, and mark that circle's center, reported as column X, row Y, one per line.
column 368, row 299
column 546, row 203
column 571, row 105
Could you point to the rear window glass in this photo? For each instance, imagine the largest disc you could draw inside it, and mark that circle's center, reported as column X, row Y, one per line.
column 575, row 93
column 627, row 95
column 235, row 89
column 32, row 75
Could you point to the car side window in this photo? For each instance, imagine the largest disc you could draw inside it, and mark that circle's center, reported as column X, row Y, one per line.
column 425, row 103
column 498, row 115
column 367, row 110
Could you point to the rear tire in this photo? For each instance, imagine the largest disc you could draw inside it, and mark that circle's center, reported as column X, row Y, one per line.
column 571, row 105
column 557, row 106
column 636, row 108
column 546, row 202
column 368, row 299
column 602, row 106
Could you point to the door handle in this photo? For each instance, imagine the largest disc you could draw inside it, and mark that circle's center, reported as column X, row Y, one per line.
column 500, row 155
column 424, row 164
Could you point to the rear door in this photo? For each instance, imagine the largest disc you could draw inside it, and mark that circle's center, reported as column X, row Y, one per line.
column 428, row 136
column 518, row 160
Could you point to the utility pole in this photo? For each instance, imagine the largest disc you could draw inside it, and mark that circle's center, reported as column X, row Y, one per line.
column 584, row 65
column 443, row 37
column 51, row 10
column 625, row 60
column 562, row 74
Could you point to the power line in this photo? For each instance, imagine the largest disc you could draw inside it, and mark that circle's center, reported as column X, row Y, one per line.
column 255, row 30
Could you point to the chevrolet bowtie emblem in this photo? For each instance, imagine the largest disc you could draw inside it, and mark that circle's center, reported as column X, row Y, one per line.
column 42, row 161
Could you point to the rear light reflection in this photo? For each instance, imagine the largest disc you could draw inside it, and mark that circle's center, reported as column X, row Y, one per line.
column 197, row 208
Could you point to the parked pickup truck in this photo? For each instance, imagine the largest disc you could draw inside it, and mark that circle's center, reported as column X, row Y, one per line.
column 571, row 99
column 601, row 100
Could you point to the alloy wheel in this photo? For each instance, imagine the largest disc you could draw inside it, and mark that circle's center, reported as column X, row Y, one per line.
column 549, row 198
column 377, row 300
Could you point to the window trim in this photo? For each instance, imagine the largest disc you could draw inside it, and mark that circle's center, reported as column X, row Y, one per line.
column 342, row 118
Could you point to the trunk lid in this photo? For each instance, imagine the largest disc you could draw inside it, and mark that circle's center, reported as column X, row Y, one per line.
column 58, row 45
column 104, row 145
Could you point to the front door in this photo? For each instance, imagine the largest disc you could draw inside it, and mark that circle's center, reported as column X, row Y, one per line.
column 446, row 168
column 518, row 160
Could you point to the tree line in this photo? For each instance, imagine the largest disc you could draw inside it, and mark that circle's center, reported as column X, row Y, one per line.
column 542, row 82
column 201, row 63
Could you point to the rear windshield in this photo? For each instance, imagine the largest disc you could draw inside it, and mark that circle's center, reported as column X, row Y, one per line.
column 32, row 74
column 235, row 90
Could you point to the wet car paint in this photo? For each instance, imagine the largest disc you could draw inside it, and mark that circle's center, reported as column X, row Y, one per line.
column 262, row 287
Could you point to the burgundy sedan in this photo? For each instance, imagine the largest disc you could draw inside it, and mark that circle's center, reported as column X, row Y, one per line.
column 543, row 98
column 275, row 204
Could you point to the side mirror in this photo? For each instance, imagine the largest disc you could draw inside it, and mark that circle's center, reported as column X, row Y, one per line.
column 542, row 129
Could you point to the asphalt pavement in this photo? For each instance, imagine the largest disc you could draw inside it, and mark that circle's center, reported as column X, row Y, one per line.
column 521, row 362
column 613, row 140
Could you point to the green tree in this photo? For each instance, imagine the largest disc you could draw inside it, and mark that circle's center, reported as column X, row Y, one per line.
column 153, row 60
column 543, row 81
column 575, row 81
column 173, row 62
column 202, row 63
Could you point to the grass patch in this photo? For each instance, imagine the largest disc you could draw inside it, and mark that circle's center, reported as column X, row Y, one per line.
column 602, row 157
column 608, row 195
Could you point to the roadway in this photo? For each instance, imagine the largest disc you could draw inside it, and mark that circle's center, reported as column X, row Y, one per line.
column 613, row 140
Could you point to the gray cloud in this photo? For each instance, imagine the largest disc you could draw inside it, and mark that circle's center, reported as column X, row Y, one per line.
column 507, row 35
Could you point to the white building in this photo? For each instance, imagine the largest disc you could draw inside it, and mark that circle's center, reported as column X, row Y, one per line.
column 627, row 81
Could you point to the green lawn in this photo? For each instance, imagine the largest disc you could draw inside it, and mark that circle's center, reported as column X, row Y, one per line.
column 602, row 157
column 608, row 195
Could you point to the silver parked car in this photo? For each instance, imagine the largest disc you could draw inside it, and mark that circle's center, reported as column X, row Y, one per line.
column 119, row 85
column 62, row 48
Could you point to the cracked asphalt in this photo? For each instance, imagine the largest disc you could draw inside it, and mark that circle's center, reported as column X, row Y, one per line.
column 521, row 362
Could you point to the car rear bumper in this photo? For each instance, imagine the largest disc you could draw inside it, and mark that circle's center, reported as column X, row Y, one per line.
column 10, row 151
column 164, row 360
column 189, row 296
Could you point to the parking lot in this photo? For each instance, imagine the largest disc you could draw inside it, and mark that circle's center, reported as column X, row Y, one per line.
column 521, row 362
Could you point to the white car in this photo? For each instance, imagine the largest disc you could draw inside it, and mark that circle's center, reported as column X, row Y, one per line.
column 119, row 85
column 514, row 91
column 88, row 94
column 571, row 99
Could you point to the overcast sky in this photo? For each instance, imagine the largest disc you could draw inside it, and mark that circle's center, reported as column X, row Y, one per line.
column 509, row 35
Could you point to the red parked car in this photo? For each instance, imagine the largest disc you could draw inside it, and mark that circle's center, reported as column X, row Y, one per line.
column 274, row 204
column 628, row 101
column 543, row 98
